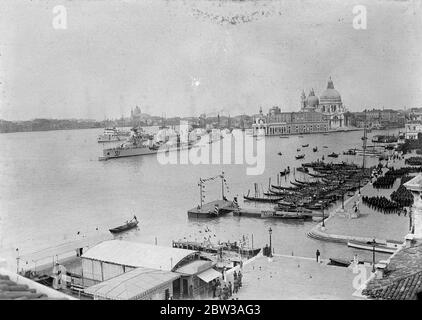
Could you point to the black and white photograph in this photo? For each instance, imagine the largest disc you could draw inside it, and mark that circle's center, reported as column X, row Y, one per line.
column 226, row 151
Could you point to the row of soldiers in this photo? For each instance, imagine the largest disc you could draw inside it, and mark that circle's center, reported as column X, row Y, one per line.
column 224, row 292
column 402, row 196
column 382, row 204
column 384, row 182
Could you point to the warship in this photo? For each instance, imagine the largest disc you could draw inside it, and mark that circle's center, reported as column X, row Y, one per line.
column 112, row 135
column 140, row 143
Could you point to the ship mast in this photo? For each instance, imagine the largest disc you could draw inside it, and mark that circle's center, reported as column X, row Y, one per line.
column 364, row 138
column 201, row 200
column 222, row 185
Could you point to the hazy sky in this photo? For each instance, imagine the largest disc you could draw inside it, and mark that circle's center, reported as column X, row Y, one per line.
column 162, row 56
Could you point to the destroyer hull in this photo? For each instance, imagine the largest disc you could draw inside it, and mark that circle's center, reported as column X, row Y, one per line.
column 114, row 153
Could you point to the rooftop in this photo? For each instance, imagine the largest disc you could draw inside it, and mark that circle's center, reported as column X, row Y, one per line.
column 132, row 285
column 16, row 287
column 136, row 254
column 402, row 278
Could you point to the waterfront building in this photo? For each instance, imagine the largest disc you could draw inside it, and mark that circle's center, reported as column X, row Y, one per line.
column 315, row 115
column 286, row 123
column 412, row 130
column 145, row 271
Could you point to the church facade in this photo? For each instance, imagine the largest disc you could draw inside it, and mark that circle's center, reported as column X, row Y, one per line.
column 329, row 103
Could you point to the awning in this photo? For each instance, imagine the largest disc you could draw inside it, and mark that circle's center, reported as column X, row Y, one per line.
column 209, row 275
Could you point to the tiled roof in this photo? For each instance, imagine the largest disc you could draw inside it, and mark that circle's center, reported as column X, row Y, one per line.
column 17, row 287
column 403, row 289
column 402, row 278
column 10, row 290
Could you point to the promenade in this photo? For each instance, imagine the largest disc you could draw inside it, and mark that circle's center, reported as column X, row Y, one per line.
column 290, row 277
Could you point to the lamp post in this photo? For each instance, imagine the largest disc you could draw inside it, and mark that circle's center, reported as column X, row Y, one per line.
column 373, row 255
column 323, row 216
column 270, row 231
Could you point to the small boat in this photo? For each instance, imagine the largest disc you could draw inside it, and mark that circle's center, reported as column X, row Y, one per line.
column 333, row 155
column 339, row 262
column 300, row 156
column 300, row 136
column 298, row 149
column 315, row 149
column 350, row 152
column 387, row 247
column 263, row 199
column 283, row 215
column 284, row 188
column 285, row 172
column 284, row 137
column 303, row 169
column 279, row 153
column 127, row 226
column 325, row 147
column 305, row 145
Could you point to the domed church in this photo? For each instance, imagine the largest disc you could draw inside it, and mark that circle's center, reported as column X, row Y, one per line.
column 329, row 103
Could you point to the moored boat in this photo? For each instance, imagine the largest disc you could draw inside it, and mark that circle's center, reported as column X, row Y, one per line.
column 383, row 247
column 339, row 262
column 300, row 156
column 133, row 223
column 333, row 155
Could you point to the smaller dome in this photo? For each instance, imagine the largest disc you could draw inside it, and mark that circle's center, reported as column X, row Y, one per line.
column 312, row 100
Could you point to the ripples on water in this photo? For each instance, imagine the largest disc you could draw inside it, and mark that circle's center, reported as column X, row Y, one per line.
column 52, row 186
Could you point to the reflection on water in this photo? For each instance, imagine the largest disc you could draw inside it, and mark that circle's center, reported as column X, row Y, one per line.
column 52, row 186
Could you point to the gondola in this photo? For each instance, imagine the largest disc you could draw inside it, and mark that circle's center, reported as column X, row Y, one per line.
column 300, row 156
column 260, row 199
column 316, row 175
column 303, row 169
column 305, row 145
column 339, row 262
column 297, row 184
column 350, row 152
column 284, row 188
column 127, row 226
column 333, row 155
column 285, row 172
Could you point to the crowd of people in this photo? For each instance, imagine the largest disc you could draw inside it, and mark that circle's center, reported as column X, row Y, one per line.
column 382, row 204
column 403, row 196
column 384, row 182
column 225, row 291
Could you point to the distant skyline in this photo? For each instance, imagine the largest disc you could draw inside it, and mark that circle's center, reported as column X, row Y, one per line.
column 166, row 58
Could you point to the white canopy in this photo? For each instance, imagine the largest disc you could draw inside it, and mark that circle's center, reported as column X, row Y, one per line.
column 209, row 275
column 135, row 254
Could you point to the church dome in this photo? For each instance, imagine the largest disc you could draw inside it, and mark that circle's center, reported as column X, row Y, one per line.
column 312, row 101
column 331, row 95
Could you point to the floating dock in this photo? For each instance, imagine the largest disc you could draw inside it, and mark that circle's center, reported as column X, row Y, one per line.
column 208, row 210
column 260, row 213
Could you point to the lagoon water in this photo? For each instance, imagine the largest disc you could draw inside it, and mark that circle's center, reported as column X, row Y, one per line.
column 52, row 186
